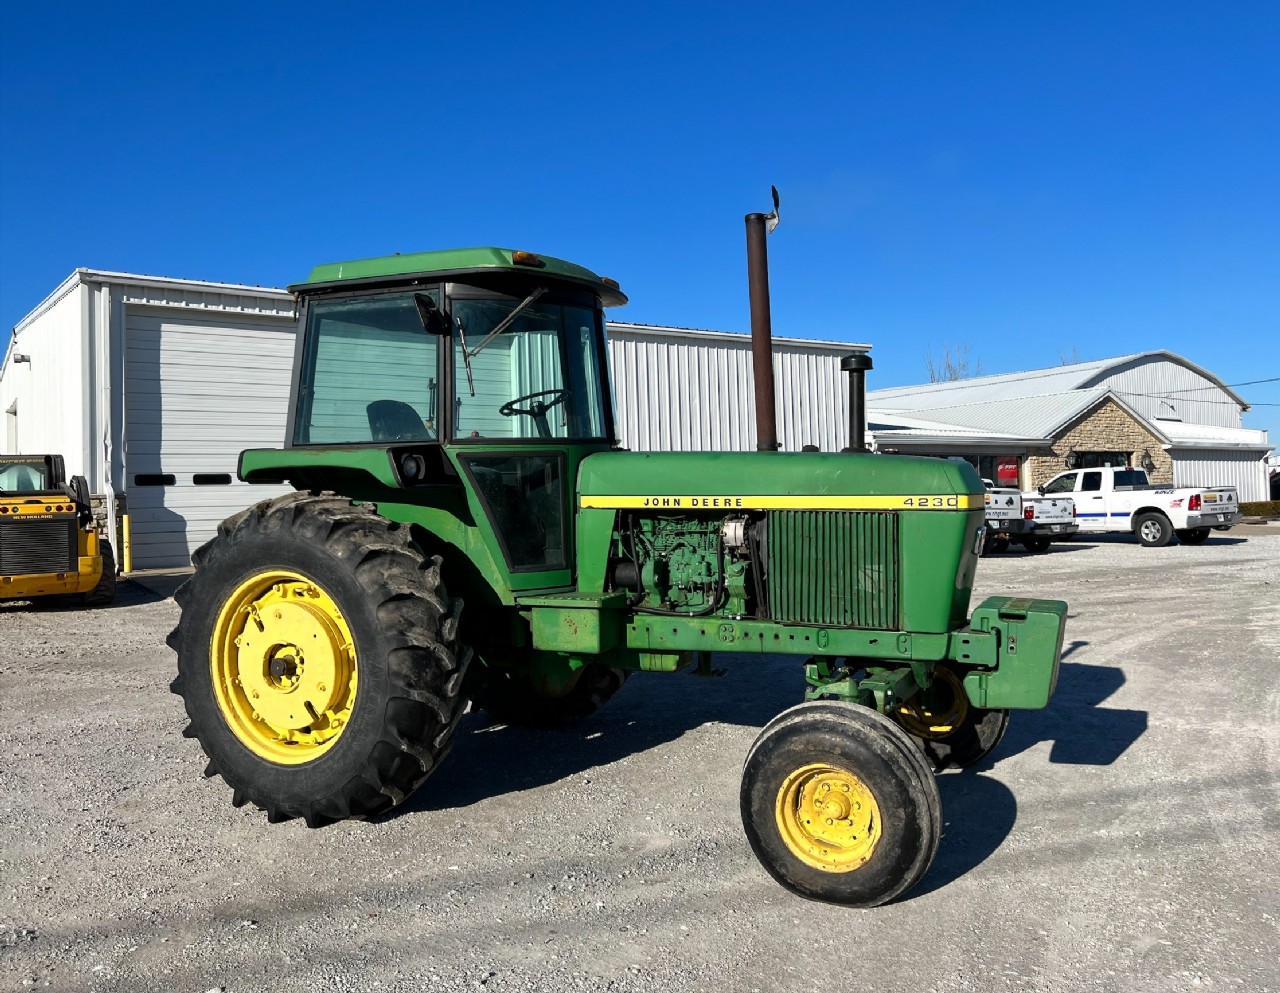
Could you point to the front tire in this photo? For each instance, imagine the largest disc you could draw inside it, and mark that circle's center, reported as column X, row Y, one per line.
column 839, row 805
column 317, row 659
column 1153, row 530
column 950, row 731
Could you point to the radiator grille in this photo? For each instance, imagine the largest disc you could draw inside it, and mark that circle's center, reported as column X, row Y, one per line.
column 36, row 547
column 834, row 567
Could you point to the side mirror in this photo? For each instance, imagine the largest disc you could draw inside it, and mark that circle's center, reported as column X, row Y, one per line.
column 1040, row 489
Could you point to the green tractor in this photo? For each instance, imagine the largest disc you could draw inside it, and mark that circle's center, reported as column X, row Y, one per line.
column 451, row 423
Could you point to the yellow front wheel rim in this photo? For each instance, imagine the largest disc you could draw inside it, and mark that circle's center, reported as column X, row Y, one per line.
column 937, row 711
column 284, row 667
column 828, row 818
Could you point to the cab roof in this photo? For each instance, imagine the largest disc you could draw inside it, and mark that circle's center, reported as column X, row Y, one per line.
column 456, row 262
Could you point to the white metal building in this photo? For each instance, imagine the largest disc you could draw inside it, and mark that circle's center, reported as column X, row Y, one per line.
column 679, row 389
column 151, row 387
column 1188, row 420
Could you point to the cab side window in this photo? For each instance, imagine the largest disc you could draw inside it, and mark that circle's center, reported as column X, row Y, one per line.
column 1063, row 484
column 1092, row 482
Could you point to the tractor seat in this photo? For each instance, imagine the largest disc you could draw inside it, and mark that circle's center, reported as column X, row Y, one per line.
column 395, row 420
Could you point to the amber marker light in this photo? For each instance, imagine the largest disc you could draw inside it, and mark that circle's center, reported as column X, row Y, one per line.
column 526, row 258
column 610, row 282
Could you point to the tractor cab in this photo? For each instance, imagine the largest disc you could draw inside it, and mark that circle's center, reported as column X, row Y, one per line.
column 474, row 376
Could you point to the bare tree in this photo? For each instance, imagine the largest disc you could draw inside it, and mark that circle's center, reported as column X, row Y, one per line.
column 1069, row 358
column 953, row 364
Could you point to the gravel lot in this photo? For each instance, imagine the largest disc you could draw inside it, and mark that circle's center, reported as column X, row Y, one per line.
column 1124, row 839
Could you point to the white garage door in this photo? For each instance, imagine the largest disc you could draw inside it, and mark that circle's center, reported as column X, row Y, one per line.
column 199, row 390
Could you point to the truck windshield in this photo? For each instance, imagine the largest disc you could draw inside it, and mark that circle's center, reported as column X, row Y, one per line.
column 23, row 476
column 538, row 377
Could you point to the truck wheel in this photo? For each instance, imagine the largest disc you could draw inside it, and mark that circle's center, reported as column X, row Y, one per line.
column 999, row 545
column 1153, row 530
column 948, row 729
column 1194, row 536
column 511, row 697
column 839, row 805
column 1036, row 545
column 105, row 591
column 317, row 659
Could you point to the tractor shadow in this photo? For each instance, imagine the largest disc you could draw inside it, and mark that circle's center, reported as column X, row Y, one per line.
column 651, row 709
column 491, row 759
column 979, row 812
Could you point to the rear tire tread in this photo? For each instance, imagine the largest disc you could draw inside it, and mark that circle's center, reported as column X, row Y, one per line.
column 410, row 605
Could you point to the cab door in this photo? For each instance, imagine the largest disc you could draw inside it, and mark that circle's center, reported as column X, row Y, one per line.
column 1092, row 506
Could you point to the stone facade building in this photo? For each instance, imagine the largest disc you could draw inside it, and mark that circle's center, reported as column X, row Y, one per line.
column 1152, row 410
column 1106, row 428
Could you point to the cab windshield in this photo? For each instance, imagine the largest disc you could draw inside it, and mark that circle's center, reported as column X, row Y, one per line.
column 523, row 368
column 526, row 368
column 23, row 476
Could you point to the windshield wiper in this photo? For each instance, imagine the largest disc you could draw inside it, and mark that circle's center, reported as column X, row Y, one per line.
column 507, row 321
column 501, row 326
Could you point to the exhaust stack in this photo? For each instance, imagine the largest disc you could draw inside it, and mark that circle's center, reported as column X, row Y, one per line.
column 758, row 227
column 856, row 365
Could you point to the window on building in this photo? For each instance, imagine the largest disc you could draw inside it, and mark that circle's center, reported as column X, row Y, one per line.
column 1102, row 460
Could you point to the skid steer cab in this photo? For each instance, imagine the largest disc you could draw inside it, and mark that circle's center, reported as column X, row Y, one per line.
column 49, row 543
column 451, row 443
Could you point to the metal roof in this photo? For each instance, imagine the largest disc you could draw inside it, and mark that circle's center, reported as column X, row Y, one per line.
column 1032, row 383
column 732, row 337
column 1211, row 436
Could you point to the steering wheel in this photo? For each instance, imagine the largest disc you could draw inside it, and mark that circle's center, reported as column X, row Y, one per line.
column 538, row 409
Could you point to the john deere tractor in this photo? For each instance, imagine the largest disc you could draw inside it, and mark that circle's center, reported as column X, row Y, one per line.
column 49, row 543
column 451, row 441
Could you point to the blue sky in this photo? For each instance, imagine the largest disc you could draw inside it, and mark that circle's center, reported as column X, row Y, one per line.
column 1029, row 180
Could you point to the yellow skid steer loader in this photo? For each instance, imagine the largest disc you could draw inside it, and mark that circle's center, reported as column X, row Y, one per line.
column 49, row 542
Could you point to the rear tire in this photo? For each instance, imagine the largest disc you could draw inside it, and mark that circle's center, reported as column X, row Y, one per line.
column 511, row 698
column 839, row 805
column 1194, row 536
column 1153, row 530
column 317, row 659
column 1036, row 545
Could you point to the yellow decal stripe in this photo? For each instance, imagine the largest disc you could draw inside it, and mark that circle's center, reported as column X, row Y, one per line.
column 698, row 501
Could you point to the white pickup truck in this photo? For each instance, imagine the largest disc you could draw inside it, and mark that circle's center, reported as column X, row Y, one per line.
column 1121, row 499
column 1031, row 520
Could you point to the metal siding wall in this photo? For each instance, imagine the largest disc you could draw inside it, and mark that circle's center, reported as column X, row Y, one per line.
column 677, row 394
column 51, row 404
column 1196, row 400
column 1245, row 471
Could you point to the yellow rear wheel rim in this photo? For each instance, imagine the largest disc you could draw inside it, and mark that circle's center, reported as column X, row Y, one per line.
column 828, row 818
column 284, row 667
column 936, row 712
